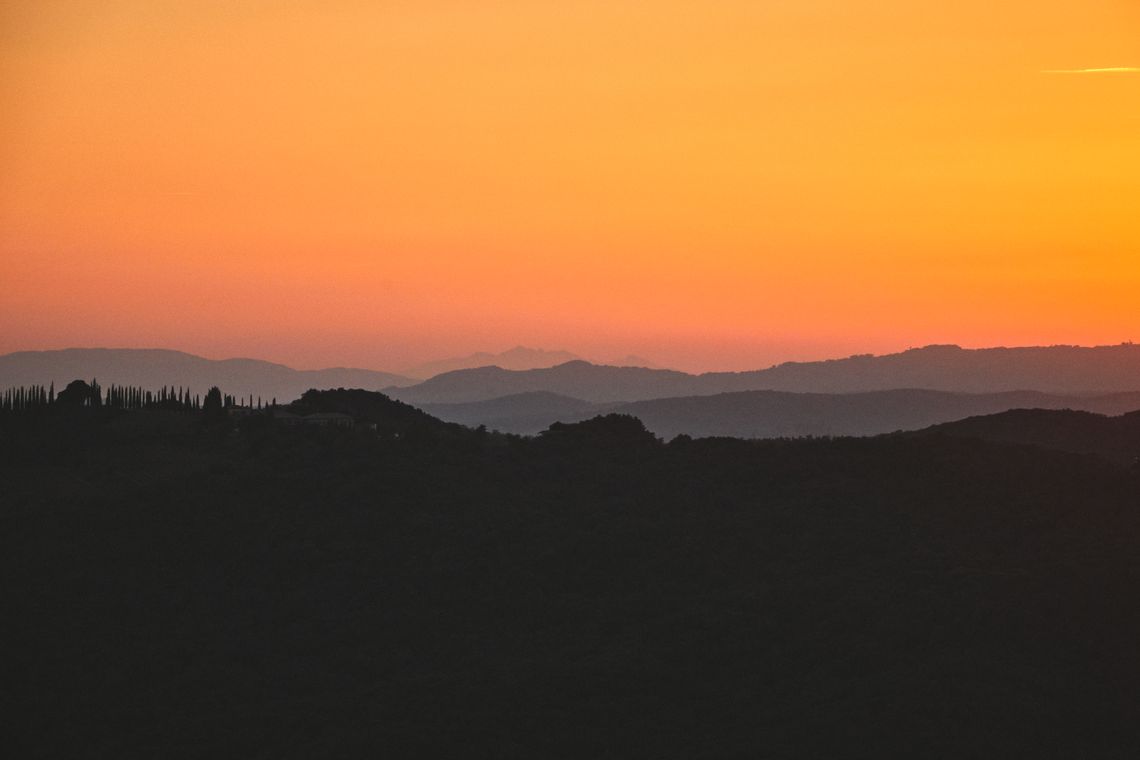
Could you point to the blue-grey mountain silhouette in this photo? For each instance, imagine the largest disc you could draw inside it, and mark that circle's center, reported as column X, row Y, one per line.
column 517, row 358
column 1052, row 369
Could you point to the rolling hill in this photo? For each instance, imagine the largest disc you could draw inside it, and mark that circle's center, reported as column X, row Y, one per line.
column 772, row 414
column 246, row 590
column 1116, row 438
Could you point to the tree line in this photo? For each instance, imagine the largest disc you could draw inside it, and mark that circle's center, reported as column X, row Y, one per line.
column 79, row 394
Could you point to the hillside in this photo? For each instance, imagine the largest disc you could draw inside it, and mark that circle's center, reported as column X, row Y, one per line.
column 392, row 418
column 576, row 379
column 1113, row 438
column 772, row 414
column 174, row 590
column 522, row 413
column 1050, row 369
column 157, row 368
column 1064, row 370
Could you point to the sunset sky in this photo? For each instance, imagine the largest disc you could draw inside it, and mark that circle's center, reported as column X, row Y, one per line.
column 714, row 185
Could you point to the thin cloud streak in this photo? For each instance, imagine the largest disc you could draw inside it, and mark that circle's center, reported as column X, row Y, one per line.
column 1113, row 70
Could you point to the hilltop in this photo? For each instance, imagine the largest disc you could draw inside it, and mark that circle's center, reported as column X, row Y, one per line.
column 1115, row 438
column 517, row 358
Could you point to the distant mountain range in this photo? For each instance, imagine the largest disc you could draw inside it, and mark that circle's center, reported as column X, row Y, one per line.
column 772, row 414
column 1067, row 370
column 835, row 397
column 155, row 368
column 517, row 358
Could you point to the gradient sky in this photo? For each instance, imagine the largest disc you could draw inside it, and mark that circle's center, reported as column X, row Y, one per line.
column 712, row 185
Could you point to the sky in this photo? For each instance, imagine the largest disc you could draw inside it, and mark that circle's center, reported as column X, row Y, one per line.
column 710, row 185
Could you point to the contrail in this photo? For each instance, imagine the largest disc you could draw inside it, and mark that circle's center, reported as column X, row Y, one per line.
column 1114, row 70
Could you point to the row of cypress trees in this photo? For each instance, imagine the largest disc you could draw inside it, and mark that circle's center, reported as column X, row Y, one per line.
column 136, row 397
column 25, row 398
column 81, row 394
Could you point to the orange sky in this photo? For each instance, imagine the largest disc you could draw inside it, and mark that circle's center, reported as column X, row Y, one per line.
column 713, row 185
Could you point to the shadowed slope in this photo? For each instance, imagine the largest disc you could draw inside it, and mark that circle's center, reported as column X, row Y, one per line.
column 1113, row 438
column 770, row 414
column 590, row 593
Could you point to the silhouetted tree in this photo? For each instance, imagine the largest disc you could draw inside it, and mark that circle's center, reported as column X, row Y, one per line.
column 76, row 394
column 212, row 409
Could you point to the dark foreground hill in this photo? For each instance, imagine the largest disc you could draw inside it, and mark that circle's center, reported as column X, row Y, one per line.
column 390, row 418
column 1113, row 438
column 172, row 589
column 1065, row 370
column 158, row 368
column 773, row 414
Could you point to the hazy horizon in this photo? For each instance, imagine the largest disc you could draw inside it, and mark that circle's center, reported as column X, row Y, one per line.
column 604, row 360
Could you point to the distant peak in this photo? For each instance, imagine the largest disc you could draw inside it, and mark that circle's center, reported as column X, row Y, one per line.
column 518, row 358
column 937, row 347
